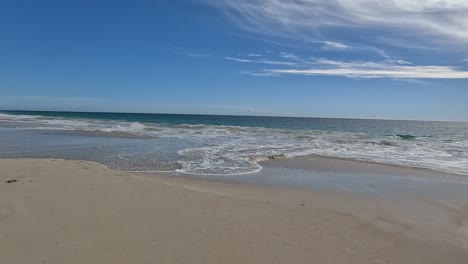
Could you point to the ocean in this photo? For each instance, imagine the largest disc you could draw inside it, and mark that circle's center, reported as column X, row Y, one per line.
column 228, row 145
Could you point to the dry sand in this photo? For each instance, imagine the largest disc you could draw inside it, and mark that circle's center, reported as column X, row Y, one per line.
column 83, row 212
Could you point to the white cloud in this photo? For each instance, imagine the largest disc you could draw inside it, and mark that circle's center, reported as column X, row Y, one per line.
column 358, row 69
column 288, row 56
column 260, row 74
column 397, row 69
column 399, row 61
column 403, row 62
column 334, row 45
column 250, row 55
column 310, row 19
column 262, row 61
column 408, row 44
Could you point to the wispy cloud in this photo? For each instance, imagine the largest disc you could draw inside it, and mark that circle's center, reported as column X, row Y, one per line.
column 396, row 23
column 332, row 45
column 289, row 56
column 260, row 74
column 399, row 61
column 250, row 55
column 399, row 70
column 311, row 19
column 406, row 43
column 403, row 62
column 262, row 61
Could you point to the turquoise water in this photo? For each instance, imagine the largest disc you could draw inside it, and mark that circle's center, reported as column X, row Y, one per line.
column 230, row 145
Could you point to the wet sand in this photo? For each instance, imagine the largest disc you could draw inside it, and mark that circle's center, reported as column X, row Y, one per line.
column 61, row 211
column 337, row 165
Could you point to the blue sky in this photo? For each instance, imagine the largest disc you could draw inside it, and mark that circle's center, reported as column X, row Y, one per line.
column 389, row 59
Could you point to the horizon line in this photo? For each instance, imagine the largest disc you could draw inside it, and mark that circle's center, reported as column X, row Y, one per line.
column 230, row 115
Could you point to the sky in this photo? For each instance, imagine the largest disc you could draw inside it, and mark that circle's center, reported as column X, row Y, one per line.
column 387, row 59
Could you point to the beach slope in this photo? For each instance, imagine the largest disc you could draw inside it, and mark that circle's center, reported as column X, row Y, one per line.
column 57, row 211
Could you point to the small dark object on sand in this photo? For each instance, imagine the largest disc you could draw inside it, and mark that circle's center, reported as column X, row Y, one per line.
column 11, row 181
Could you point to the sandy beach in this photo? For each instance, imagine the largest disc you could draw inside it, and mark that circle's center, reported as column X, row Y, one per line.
column 61, row 211
column 234, row 132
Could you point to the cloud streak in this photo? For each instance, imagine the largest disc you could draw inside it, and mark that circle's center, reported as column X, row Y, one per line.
column 251, row 55
column 311, row 19
column 397, row 69
column 338, row 25
column 332, row 45
column 262, row 61
column 370, row 70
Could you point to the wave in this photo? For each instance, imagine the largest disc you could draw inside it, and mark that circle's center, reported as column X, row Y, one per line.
column 226, row 150
column 413, row 137
column 406, row 137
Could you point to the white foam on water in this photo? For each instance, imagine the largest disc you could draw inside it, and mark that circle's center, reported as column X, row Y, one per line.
column 229, row 150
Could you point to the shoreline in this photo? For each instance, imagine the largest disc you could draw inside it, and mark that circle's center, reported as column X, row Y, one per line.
column 68, row 211
column 347, row 165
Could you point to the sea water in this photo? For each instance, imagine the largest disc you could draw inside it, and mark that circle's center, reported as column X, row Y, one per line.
column 229, row 145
